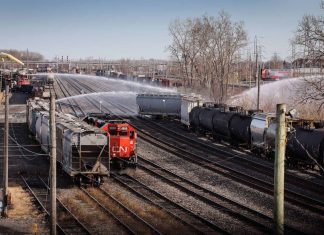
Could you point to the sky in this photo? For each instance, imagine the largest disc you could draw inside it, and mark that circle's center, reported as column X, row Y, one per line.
column 114, row 29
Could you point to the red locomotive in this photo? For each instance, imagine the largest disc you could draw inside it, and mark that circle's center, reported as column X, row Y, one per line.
column 122, row 138
column 276, row 74
column 23, row 81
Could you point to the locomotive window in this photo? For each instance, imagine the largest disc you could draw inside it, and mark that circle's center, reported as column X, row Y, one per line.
column 100, row 124
column 112, row 130
column 132, row 134
column 123, row 133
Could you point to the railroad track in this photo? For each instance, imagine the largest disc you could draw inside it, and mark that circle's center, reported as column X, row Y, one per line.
column 236, row 157
column 188, row 217
column 303, row 201
column 240, row 158
column 203, row 225
column 125, row 216
column 198, row 223
column 67, row 223
column 263, row 186
column 66, row 93
column 246, row 215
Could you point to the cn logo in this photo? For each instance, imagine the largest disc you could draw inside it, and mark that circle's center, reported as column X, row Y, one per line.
column 119, row 149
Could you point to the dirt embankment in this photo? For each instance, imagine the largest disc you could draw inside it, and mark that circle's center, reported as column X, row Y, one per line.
column 23, row 216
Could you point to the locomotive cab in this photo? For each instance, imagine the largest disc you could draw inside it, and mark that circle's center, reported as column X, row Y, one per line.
column 122, row 138
column 122, row 142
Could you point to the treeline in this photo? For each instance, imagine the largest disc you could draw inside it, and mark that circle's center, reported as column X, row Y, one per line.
column 207, row 50
column 22, row 55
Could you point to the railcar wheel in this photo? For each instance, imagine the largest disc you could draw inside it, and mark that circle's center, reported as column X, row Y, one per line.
column 78, row 180
column 121, row 165
column 97, row 181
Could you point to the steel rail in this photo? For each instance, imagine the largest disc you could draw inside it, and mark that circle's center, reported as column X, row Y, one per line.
column 177, row 179
column 130, row 211
column 108, row 212
column 261, row 185
column 188, row 211
column 241, row 157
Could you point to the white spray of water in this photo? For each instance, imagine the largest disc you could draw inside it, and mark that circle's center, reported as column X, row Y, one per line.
column 282, row 91
column 97, row 94
column 119, row 98
column 110, row 89
column 119, row 84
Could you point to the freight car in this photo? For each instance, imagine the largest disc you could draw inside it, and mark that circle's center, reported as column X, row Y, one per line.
column 250, row 129
column 188, row 102
column 122, row 138
column 305, row 143
column 159, row 105
column 168, row 105
column 82, row 149
column 222, row 123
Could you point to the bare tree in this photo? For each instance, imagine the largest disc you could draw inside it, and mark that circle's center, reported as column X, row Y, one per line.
column 22, row 55
column 311, row 92
column 309, row 37
column 206, row 49
column 309, row 41
column 275, row 62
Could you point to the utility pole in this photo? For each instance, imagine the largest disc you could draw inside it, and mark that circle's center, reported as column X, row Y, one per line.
column 1, row 77
column 57, row 65
column 257, row 78
column 53, row 163
column 27, row 64
column 6, row 154
column 279, row 169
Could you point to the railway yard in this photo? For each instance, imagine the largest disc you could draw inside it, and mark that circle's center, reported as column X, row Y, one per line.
column 183, row 183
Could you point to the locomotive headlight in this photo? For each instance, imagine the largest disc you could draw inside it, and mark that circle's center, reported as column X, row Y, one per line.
column 124, row 128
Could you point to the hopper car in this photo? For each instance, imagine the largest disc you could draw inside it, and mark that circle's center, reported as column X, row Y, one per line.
column 159, row 105
column 82, row 149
